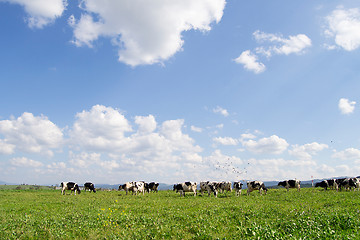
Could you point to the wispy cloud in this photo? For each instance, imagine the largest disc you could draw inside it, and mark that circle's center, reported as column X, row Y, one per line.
column 272, row 44
column 221, row 111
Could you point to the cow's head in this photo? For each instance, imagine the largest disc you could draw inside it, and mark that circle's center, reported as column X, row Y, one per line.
column 77, row 188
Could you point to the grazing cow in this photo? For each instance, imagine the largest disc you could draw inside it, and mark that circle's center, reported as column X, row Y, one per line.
column 290, row 184
column 324, row 184
column 185, row 187
column 256, row 185
column 210, row 187
column 138, row 187
column 339, row 182
column 89, row 186
column 238, row 187
column 134, row 187
column 126, row 187
column 73, row 187
column 225, row 186
column 333, row 184
column 357, row 183
column 153, row 186
column 349, row 183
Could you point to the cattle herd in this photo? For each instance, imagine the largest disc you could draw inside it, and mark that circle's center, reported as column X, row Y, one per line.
column 213, row 187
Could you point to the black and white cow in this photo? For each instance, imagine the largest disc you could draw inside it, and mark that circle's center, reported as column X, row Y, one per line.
column 139, row 187
column 134, row 187
column 126, row 187
column 349, row 183
column 238, row 186
column 73, row 187
column 225, row 186
column 333, row 184
column 89, row 186
column 153, row 187
column 256, row 185
column 185, row 187
column 290, row 184
column 324, row 184
column 210, row 187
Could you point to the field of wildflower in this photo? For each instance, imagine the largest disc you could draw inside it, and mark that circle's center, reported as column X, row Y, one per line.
column 309, row 214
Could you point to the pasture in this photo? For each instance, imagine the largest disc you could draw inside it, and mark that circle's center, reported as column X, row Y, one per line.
column 310, row 214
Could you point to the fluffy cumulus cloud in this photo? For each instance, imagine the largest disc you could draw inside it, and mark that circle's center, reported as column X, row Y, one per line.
column 250, row 62
column 102, row 128
column 270, row 145
column 346, row 106
column 41, row 12
column 106, row 146
column 144, row 32
column 6, row 148
column 25, row 162
column 344, row 26
column 29, row 133
column 348, row 154
column 146, row 146
column 306, row 151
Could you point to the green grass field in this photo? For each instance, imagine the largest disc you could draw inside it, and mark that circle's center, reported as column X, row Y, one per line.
column 310, row 214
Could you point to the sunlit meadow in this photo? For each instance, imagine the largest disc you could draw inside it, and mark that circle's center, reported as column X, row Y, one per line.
column 310, row 214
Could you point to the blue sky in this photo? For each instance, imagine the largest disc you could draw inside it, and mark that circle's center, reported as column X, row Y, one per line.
column 178, row 90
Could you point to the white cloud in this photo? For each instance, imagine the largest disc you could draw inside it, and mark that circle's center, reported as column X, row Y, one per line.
column 293, row 44
column 56, row 165
column 250, row 62
column 25, row 162
column 344, row 26
column 84, row 159
column 247, row 136
column 346, row 106
column 151, row 149
column 221, row 111
column 145, row 33
column 6, row 148
column 102, row 128
column 270, row 145
column 348, row 154
column 226, row 141
column 272, row 44
column 326, row 169
column 307, row 151
column 41, row 12
column 220, row 126
column 196, row 129
column 146, row 124
column 31, row 134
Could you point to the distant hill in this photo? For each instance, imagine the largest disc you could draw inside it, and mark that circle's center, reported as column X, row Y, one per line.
column 6, row 183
